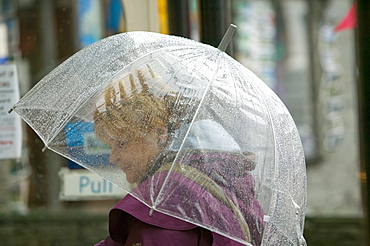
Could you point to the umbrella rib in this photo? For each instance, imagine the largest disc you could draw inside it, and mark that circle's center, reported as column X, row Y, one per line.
column 186, row 135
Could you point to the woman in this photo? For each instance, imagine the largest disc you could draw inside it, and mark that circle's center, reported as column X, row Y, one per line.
column 139, row 118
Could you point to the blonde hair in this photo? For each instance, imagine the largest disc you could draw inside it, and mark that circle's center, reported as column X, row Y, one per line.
column 136, row 104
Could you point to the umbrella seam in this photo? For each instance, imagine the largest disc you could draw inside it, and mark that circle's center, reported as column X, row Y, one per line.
column 273, row 133
column 218, row 52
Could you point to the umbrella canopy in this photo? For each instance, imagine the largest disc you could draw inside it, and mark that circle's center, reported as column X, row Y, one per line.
column 221, row 149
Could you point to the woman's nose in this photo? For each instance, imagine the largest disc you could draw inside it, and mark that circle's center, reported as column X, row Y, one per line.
column 114, row 157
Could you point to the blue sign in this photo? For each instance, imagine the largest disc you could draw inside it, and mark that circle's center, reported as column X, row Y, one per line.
column 89, row 21
column 84, row 147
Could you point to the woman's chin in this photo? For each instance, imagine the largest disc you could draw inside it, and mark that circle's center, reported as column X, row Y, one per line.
column 131, row 179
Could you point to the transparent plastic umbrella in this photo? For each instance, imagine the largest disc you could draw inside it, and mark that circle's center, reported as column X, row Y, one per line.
column 230, row 141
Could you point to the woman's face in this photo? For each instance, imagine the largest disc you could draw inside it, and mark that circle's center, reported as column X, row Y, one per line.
column 134, row 155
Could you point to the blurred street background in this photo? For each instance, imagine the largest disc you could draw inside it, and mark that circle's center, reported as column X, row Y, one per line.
column 307, row 51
